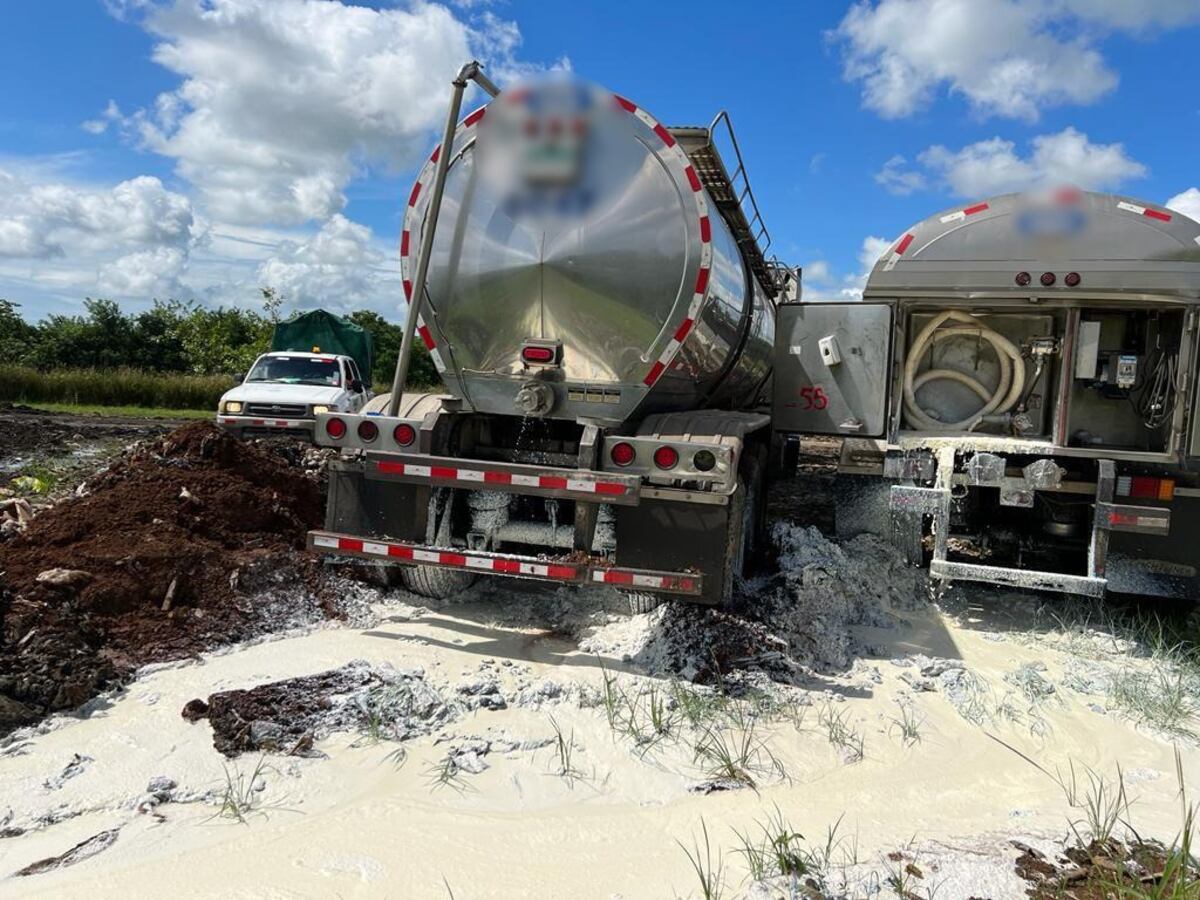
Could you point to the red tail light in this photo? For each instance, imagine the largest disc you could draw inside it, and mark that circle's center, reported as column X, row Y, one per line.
column 335, row 428
column 666, row 457
column 367, row 430
column 404, row 434
column 622, row 454
column 538, row 354
column 1048, row 279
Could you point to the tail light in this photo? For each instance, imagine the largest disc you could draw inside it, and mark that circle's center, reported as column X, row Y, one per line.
column 404, row 434
column 1072, row 279
column 1023, row 278
column 335, row 428
column 622, row 454
column 704, row 461
column 666, row 457
column 367, row 430
column 1048, row 279
column 1145, row 487
column 541, row 354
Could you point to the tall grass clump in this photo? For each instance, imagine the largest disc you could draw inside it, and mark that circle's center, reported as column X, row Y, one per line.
column 112, row 387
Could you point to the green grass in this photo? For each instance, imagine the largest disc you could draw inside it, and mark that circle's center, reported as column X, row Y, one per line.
column 132, row 412
column 112, row 388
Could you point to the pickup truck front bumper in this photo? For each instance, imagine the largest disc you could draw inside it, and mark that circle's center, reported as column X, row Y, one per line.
column 261, row 425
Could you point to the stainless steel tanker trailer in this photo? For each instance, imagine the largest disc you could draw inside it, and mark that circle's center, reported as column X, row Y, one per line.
column 1018, row 394
column 592, row 287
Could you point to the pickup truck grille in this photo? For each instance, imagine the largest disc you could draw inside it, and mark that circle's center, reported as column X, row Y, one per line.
column 287, row 410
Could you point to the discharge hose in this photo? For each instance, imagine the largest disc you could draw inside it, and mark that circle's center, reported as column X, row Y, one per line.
column 1006, row 395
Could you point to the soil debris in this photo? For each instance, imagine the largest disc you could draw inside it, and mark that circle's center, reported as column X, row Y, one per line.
column 130, row 572
column 97, row 843
column 287, row 716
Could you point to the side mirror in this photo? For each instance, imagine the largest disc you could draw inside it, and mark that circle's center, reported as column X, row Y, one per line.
column 356, row 386
column 239, row 377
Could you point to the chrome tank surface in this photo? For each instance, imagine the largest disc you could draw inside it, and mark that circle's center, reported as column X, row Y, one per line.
column 572, row 220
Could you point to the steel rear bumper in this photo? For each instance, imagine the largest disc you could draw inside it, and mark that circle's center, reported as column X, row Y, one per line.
column 570, row 570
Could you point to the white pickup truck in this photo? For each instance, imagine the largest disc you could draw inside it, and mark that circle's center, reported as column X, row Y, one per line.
column 284, row 390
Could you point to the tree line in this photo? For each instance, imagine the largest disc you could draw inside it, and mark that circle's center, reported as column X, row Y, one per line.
column 176, row 337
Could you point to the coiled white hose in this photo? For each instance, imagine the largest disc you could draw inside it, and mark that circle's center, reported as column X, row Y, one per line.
column 1003, row 399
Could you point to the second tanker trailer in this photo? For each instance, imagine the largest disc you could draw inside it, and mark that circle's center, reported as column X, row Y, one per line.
column 593, row 288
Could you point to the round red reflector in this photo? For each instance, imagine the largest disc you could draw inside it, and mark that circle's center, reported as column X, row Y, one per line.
column 404, row 434
column 368, row 430
column 537, row 354
column 1023, row 278
column 1072, row 279
column 335, row 428
column 1048, row 279
column 666, row 457
column 622, row 454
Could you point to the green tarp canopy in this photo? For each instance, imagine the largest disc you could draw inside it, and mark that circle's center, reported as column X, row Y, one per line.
column 323, row 332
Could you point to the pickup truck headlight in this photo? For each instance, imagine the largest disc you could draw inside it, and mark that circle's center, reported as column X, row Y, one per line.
column 320, row 409
column 233, row 406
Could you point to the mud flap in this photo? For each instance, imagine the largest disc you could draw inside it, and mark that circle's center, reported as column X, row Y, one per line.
column 676, row 536
column 356, row 506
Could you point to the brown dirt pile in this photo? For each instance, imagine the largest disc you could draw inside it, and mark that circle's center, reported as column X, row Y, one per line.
column 168, row 554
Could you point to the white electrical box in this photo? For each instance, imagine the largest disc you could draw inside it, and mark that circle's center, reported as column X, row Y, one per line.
column 1087, row 351
column 830, row 354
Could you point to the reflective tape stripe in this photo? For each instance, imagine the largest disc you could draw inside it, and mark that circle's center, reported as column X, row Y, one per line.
column 559, row 570
column 1144, row 211
column 479, row 476
column 411, row 223
column 700, row 292
column 963, row 213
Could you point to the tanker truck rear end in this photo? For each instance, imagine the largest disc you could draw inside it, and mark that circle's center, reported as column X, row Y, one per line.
column 593, row 288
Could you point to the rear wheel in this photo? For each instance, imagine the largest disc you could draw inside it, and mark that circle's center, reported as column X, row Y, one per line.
column 435, row 582
column 640, row 603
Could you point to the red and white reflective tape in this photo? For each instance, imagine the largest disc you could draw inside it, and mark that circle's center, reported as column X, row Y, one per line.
column 676, row 156
column 264, row 423
column 898, row 251
column 630, row 578
column 483, row 476
column 963, row 213
column 417, row 200
column 1144, row 211
column 461, row 560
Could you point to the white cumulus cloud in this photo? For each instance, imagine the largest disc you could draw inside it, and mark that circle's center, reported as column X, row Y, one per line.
column 1187, row 203
column 996, row 166
column 1009, row 58
column 283, row 102
column 137, row 234
column 822, row 285
column 336, row 267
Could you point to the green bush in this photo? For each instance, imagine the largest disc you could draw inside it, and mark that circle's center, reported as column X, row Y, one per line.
column 112, row 387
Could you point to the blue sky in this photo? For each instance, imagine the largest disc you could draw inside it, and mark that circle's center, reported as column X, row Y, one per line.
column 201, row 148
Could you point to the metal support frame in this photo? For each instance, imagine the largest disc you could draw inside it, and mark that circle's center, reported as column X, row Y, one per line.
column 587, row 513
column 472, row 71
column 937, row 501
column 1106, row 488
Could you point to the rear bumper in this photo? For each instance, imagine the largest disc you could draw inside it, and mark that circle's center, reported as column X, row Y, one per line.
column 241, row 424
column 570, row 570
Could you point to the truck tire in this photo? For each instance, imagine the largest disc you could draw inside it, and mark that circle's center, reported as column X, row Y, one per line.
column 640, row 602
column 435, row 582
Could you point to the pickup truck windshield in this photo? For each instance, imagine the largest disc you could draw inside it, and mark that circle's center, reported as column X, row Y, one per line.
column 297, row 370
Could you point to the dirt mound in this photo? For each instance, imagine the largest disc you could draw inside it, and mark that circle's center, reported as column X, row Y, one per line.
column 287, row 716
column 157, row 559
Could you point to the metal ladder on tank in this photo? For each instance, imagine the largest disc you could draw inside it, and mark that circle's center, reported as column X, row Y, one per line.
column 733, row 197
